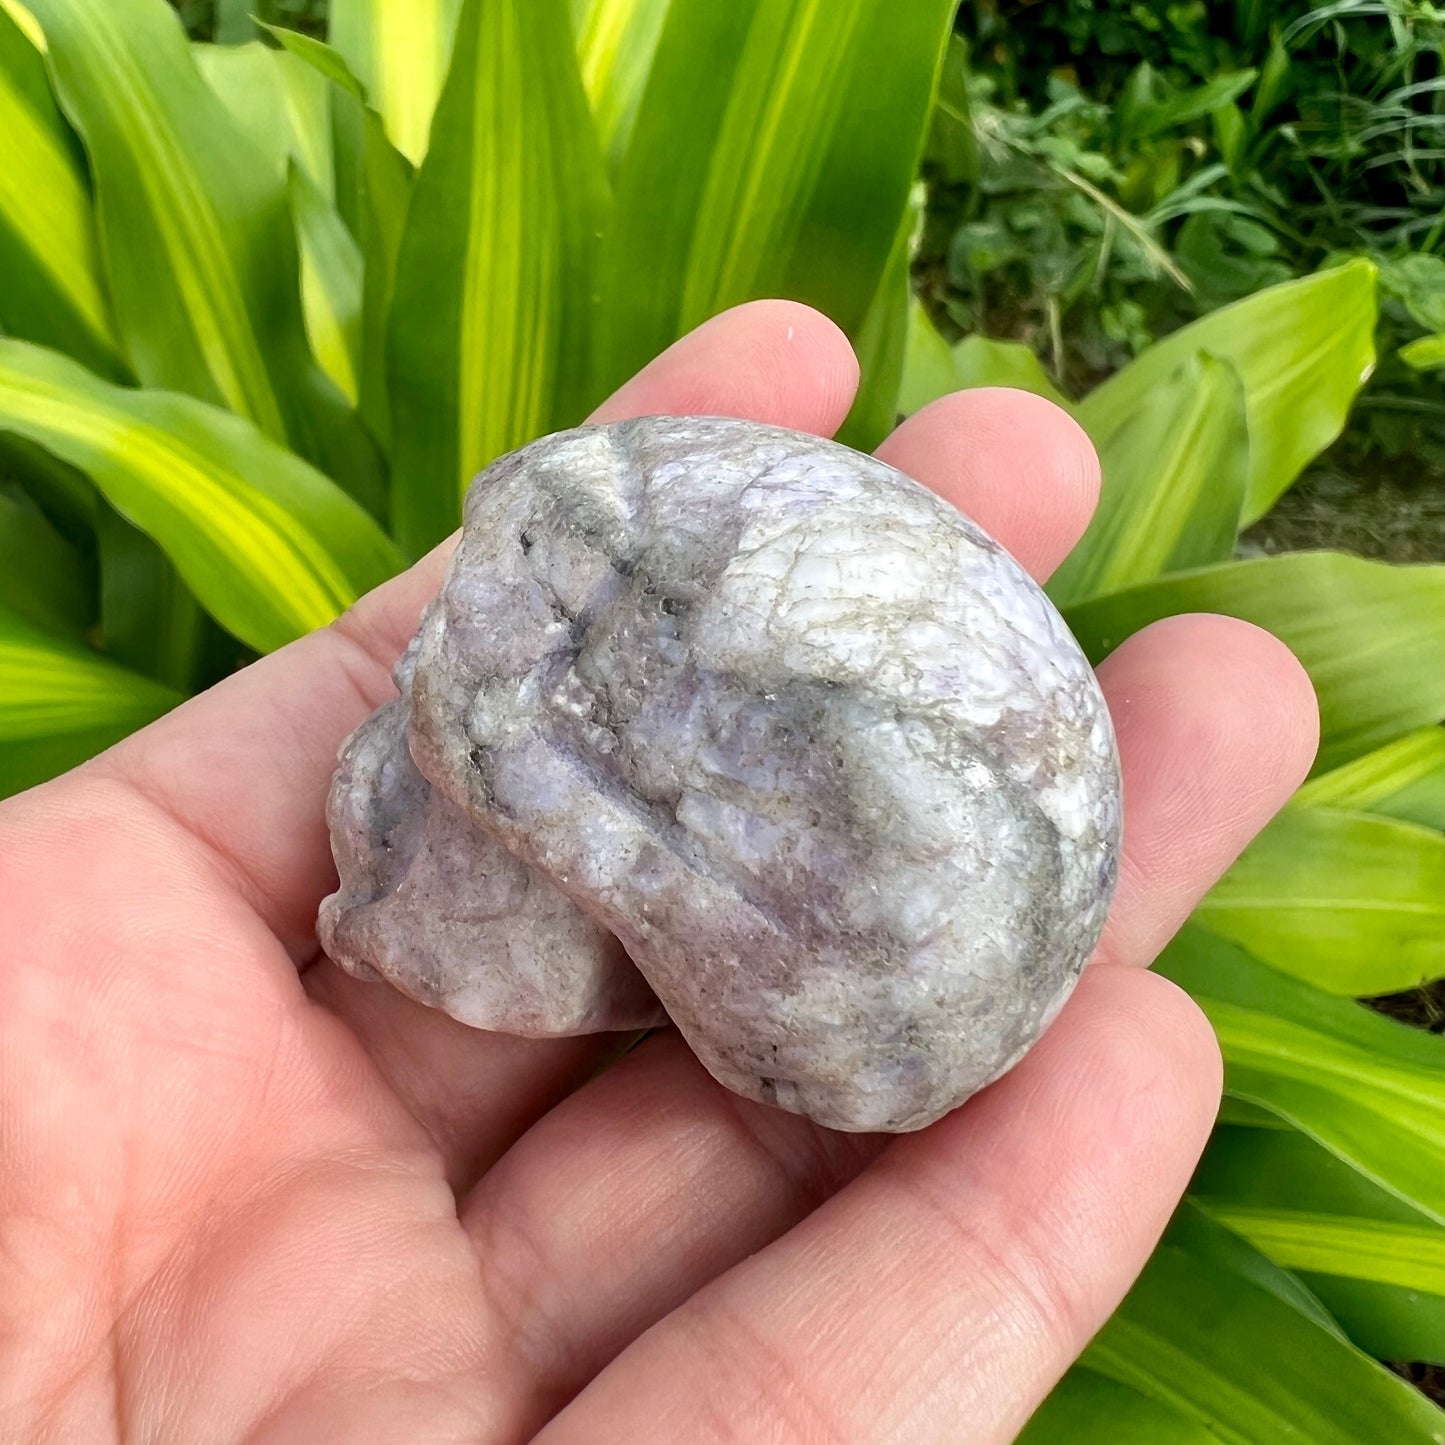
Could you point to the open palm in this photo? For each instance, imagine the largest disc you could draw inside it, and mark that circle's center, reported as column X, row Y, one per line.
column 243, row 1196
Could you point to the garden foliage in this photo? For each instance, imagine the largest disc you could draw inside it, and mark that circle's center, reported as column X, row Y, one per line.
column 268, row 306
column 1107, row 170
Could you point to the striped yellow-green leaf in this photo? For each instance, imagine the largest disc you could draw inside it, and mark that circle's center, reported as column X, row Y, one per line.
column 1214, row 1332
column 1375, row 1263
column 1175, row 475
column 60, row 703
column 331, row 283
column 400, row 53
column 1303, row 350
column 196, row 233
column 773, row 154
column 284, row 105
column 1368, row 1089
column 616, row 41
column 270, row 547
column 1404, row 779
column 1087, row 1408
column 493, row 281
column 373, row 192
column 1371, row 635
column 41, row 574
column 1351, row 903
column 279, row 100
column 51, row 287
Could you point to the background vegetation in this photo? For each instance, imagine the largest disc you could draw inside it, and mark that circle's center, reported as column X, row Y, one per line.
column 1104, row 171
column 272, row 295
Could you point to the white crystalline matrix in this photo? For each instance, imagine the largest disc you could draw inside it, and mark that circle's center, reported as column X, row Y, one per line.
column 811, row 746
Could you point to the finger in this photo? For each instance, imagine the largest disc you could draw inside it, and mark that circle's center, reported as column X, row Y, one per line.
column 771, row 361
column 680, row 1180
column 1217, row 726
column 669, row 1182
column 245, row 767
column 1018, row 465
column 961, row 1273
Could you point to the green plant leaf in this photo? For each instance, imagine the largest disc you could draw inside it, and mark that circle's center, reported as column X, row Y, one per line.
column 773, row 155
column 493, row 280
column 60, row 703
column 927, row 363
column 933, row 369
column 1371, row 635
column 1375, row 1263
column 1370, row 1090
column 400, row 53
column 196, row 233
column 1427, row 353
column 279, row 100
column 1303, row 350
column 978, row 361
column 1175, row 476
column 616, row 41
column 1189, row 105
column 42, row 579
column 373, row 191
column 270, row 547
column 1351, row 903
column 284, row 104
column 331, row 283
column 51, row 287
column 1404, row 780
column 1087, row 1408
column 1212, row 1331
column 881, row 348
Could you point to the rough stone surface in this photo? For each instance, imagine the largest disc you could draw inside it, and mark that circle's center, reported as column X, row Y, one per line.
column 441, row 910
column 811, row 745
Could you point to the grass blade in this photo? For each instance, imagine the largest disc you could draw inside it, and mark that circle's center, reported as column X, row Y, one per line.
column 284, row 105
column 1087, row 1408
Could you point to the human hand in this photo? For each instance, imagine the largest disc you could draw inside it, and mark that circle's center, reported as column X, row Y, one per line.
column 243, row 1196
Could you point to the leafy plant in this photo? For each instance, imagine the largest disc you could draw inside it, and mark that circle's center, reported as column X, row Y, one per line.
column 1317, row 1221
column 269, row 306
column 1103, row 172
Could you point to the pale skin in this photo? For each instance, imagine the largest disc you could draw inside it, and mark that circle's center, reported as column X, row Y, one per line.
column 245, row 1197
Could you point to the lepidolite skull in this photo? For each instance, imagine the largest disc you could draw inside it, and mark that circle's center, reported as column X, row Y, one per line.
column 808, row 743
